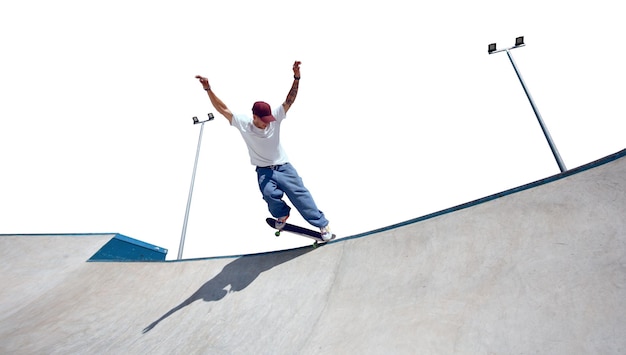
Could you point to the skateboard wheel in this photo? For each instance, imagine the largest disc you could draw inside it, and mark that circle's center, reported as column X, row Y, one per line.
column 315, row 244
column 277, row 233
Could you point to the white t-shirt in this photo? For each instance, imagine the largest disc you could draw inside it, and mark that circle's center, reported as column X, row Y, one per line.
column 263, row 144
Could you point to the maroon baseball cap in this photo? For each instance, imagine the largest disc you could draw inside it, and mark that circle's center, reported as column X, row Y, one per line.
column 264, row 111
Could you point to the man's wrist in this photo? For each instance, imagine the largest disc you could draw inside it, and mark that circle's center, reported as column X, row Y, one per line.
column 296, row 77
column 207, row 88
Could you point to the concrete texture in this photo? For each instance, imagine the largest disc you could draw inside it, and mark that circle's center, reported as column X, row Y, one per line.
column 540, row 269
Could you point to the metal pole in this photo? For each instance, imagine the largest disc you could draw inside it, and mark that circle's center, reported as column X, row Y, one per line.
column 193, row 178
column 555, row 152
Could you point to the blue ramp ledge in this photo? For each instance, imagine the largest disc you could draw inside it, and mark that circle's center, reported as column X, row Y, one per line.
column 123, row 248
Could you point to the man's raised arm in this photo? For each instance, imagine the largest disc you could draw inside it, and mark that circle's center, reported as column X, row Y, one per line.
column 291, row 97
column 215, row 101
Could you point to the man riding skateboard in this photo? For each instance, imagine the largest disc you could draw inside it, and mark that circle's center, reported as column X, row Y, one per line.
column 276, row 176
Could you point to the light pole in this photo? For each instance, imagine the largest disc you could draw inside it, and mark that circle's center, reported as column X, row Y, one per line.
column 193, row 178
column 519, row 42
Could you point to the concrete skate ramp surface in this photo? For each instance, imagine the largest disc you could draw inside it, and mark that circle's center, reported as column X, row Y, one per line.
column 539, row 269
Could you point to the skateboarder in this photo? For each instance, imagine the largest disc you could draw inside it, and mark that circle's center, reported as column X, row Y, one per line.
column 276, row 176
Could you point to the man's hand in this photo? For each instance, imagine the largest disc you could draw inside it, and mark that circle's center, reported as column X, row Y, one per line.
column 296, row 69
column 205, row 82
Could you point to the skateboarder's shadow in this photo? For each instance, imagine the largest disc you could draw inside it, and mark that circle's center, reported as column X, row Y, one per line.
column 235, row 277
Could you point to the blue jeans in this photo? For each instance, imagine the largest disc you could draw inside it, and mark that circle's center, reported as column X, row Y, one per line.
column 283, row 179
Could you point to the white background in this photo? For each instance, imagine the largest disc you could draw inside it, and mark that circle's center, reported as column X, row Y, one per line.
column 401, row 112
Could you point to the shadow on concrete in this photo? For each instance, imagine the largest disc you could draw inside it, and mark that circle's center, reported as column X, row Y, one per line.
column 235, row 277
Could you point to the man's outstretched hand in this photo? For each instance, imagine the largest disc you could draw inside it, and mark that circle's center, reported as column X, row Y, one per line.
column 205, row 82
column 296, row 69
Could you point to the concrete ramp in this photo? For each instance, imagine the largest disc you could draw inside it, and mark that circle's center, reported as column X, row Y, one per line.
column 538, row 269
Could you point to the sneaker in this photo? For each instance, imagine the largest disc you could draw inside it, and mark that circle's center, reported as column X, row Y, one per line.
column 326, row 234
column 280, row 222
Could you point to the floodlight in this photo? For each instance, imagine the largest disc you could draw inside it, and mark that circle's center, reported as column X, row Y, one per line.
column 196, row 121
column 193, row 179
column 519, row 42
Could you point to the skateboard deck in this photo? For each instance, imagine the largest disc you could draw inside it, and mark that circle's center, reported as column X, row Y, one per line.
column 299, row 231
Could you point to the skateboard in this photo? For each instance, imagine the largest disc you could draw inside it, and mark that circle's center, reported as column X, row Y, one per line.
column 299, row 231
